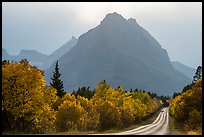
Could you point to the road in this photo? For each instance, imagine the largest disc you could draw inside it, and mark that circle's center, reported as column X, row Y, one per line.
column 159, row 127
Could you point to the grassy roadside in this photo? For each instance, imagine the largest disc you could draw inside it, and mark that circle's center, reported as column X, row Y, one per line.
column 11, row 133
column 177, row 129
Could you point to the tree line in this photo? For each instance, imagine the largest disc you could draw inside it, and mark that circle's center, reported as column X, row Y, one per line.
column 186, row 106
column 30, row 106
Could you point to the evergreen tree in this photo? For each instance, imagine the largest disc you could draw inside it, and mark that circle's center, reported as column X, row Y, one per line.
column 84, row 92
column 198, row 74
column 57, row 83
column 187, row 87
column 175, row 94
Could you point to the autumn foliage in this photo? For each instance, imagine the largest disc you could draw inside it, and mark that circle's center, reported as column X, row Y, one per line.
column 186, row 108
column 26, row 101
column 29, row 106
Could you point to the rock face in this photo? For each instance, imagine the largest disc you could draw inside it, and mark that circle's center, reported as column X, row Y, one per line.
column 124, row 54
column 188, row 71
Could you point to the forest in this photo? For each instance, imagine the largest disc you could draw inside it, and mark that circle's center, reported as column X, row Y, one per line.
column 30, row 106
column 186, row 107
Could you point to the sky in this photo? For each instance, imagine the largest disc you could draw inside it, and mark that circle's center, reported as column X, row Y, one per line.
column 46, row 26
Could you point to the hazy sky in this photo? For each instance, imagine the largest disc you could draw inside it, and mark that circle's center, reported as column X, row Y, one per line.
column 46, row 26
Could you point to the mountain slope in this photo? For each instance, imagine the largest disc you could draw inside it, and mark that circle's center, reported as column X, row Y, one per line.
column 65, row 48
column 122, row 53
column 188, row 71
column 59, row 52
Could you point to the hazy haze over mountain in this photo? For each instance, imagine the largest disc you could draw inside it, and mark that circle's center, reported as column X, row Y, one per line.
column 122, row 53
column 38, row 59
column 34, row 57
column 5, row 54
column 45, row 26
column 59, row 52
column 188, row 71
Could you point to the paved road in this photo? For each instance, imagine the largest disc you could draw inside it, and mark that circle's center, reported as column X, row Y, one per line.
column 159, row 127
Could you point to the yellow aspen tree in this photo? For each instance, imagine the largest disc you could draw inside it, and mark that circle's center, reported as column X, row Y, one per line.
column 93, row 115
column 127, row 111
column 70, row 116
column 22, row 97
column 109, row 115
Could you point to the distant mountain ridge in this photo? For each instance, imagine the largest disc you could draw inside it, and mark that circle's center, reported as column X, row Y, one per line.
column 63, row 49
column 38, row 59
column 35, row 58
column 59, row 52
column 32, row 55
column 124, row 54
column 188, row 71
column 5, row 54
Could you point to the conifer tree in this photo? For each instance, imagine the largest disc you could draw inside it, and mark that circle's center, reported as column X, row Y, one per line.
column 198, row 74
column 57, row 83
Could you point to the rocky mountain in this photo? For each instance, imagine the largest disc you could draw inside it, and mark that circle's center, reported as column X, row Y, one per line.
column 59, row 52
column 123, row 53
column 35, row 58
column 188, row 71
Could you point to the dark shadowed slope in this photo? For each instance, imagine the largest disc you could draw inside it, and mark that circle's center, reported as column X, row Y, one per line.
column 123, row 53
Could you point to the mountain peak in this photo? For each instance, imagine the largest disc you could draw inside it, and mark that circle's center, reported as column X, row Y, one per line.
column 122, row 53
column 113, row 17
column 73, row 37
column 131, row 20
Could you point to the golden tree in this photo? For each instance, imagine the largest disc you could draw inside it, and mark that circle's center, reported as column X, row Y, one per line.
column 71, row 116
column 24, row 106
